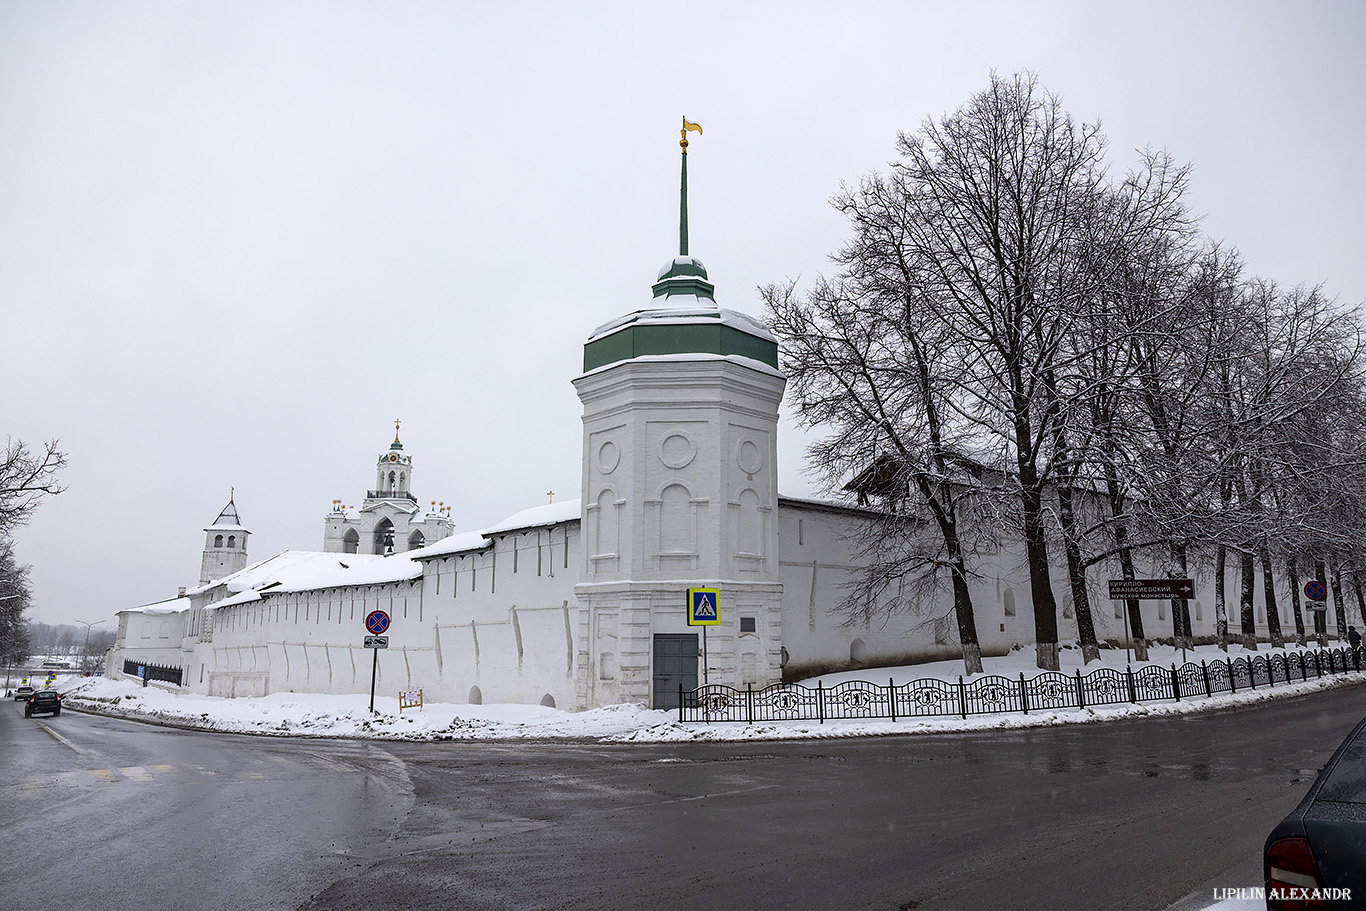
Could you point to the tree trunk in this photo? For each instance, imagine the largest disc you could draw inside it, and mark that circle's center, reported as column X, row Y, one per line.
column 1181, row 615
column 1220, row 597
column 1361, row 600
column 1292, row 572
column 1321, row 617
column 1126, row 565
column 1339, row 608
column 1126, row 568
column 1273, row 619
column 1076, row 574
column 1249, row 582
column 1040, row 588
column 967, row 623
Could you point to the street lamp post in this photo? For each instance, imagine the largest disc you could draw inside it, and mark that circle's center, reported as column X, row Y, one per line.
column 85, row 656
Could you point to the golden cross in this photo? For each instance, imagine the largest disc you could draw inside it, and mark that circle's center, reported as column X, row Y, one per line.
column 396, row 430
column 551, row 494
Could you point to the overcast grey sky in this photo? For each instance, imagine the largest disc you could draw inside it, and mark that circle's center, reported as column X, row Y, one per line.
column 238, row 239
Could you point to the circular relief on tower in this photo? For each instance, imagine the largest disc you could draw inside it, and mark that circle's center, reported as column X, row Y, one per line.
column 676, row 450
column 749, row 457
column 608, row 457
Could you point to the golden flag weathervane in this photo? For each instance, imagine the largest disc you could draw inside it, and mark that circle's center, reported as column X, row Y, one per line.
column 683, row 133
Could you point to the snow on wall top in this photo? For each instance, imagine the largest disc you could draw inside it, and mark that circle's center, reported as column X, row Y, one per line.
column 535, row 517
column 298, row 570
column 168, row 606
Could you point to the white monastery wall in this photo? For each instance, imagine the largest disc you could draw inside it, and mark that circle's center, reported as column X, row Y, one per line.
column 495, row 622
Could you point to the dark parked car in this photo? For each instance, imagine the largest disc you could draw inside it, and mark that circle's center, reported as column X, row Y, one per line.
column 43, row 701
column 22, row 693
column 1316, row 857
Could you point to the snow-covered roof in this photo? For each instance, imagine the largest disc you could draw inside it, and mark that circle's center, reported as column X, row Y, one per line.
column 169, row 606
column 228, row 519
column 299, row 570
column 538, row 517
column 455, row 544
column 827, row 505
column 700, row 313
column 535, row 517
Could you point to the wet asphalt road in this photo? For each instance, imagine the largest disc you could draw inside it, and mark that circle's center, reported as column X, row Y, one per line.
column 1122, row 815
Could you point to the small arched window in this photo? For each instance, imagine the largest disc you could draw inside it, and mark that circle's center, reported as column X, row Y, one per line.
column 476, row 697
column 548, row 701
column 351, row 541
column 217, row 540
column 232, row 541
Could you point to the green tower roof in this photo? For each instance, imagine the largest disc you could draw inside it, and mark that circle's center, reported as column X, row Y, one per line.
column 684, row 318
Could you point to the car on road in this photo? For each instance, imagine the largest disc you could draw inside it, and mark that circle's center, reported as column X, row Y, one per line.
column 1316, row 856
column 22, row 693
column 43, row 701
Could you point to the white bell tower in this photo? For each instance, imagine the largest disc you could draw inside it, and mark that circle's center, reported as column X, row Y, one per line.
column 225, row 545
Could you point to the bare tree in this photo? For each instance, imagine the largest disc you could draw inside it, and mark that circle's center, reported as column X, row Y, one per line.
column 25, row 478
column 868, row 368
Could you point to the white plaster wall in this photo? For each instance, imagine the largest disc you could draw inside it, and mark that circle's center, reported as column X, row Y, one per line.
column 148, row 638
column 679, row 490
column 470, row 621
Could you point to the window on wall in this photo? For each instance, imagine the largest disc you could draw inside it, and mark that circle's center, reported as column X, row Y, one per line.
column 217, row 540
column 351, row 541
column 747, row 625
column 1008, row 601
column 232, row 541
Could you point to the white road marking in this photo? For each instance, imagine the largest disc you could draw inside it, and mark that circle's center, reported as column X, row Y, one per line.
column 61, row 739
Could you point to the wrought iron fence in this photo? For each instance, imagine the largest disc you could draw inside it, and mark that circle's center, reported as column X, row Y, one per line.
column 992, row 693
column 152, row 672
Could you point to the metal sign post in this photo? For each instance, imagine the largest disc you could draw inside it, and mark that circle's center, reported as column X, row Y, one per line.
column 704, row 610
column 376, row 622
column 1317, row 593
column 1155, row 590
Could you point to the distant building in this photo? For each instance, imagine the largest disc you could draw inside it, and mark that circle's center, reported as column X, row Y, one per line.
column 390, row 518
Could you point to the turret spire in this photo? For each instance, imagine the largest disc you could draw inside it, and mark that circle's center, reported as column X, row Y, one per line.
column 683, row 186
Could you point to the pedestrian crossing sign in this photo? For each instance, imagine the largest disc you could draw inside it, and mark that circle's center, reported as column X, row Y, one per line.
column 704, row 606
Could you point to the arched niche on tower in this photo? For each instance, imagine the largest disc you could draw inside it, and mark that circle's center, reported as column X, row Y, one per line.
column 604, row 525
column 673, row 523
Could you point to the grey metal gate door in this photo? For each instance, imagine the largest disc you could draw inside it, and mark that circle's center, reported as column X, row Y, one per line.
column 675, row 665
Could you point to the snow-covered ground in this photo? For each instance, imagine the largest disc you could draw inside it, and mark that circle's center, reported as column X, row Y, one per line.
column 316, row 715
